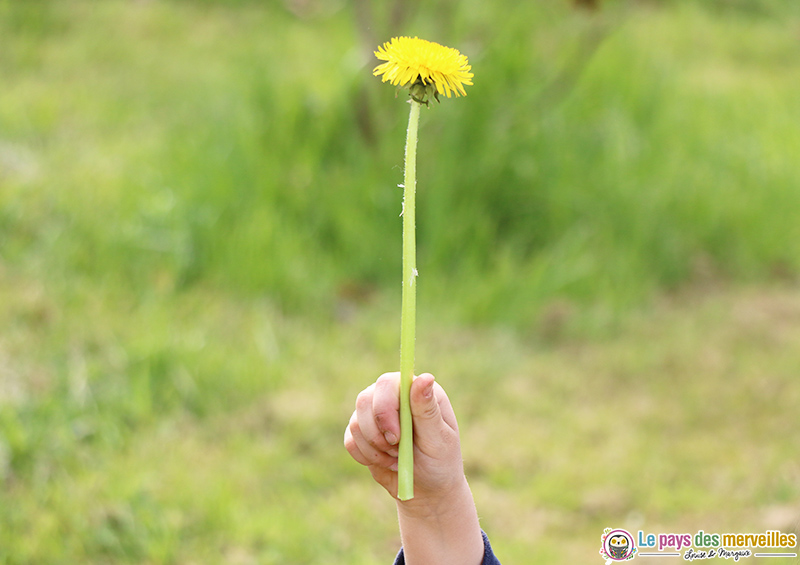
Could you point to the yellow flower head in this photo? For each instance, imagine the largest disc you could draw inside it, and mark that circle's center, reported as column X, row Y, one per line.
column 418, row 64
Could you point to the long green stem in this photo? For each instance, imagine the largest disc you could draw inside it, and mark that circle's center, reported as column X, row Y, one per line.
column 408, row 315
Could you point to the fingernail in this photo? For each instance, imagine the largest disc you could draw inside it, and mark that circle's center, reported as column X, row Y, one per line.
column 428, row 391
column 391, row 438
column 393, row 467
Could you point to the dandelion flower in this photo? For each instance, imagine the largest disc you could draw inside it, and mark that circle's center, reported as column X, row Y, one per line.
column 413, row 61
column 427, row 69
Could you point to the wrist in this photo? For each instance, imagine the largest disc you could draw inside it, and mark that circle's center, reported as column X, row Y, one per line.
column 437, row 504
column 441, row 528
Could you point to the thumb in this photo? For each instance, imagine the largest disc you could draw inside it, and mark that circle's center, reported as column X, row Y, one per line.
column 425, row 409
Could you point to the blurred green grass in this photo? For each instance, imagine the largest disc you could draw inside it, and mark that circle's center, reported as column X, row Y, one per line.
column 598, row 159
column 199, row 256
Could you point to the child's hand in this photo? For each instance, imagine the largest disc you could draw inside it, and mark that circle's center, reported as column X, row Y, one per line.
column 372, row 436
column 440, row 524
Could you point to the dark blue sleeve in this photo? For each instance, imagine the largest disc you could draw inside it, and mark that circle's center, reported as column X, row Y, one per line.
column 488, row 555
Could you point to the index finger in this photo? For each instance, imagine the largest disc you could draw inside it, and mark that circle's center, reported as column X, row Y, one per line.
column 386, row 406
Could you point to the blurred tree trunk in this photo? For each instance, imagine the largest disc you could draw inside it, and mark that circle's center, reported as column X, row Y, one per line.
column 586, row 4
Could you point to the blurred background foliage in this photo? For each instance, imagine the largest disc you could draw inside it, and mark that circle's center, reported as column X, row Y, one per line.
column 197, row 196
column 601, row 155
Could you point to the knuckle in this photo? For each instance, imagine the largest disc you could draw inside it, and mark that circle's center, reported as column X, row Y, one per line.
column 382, row 420
column 351, row 447
column 364, row 399
column 430, row 412
column 387, row 378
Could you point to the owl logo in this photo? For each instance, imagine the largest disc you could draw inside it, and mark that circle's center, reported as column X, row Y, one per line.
column 618, row 545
